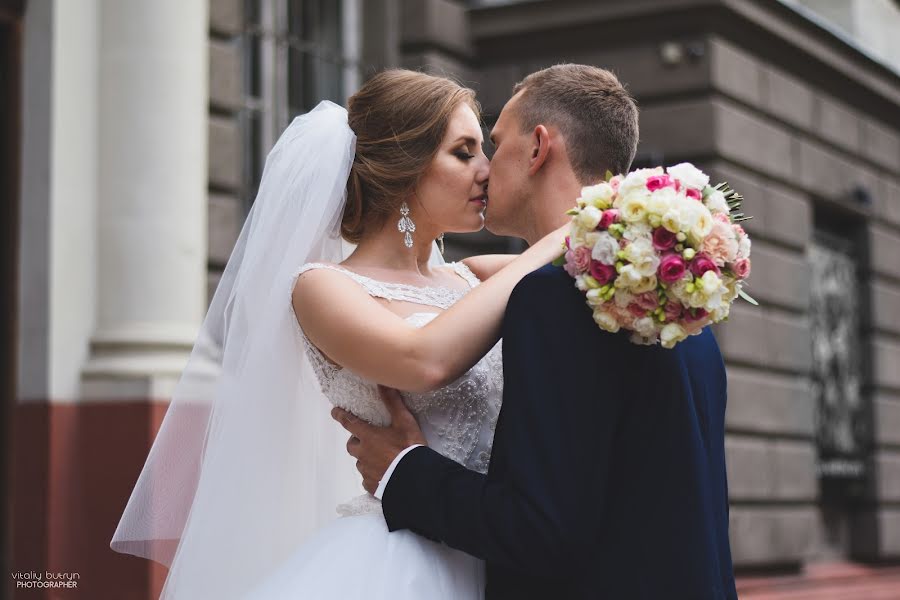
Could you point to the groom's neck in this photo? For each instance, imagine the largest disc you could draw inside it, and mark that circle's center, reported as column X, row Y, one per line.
column 550, row 206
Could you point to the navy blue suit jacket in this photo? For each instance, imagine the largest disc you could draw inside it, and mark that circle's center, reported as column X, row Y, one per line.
column 607, row 477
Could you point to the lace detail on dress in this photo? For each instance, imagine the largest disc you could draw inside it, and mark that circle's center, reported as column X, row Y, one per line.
column 437, row 296
column 458, row 420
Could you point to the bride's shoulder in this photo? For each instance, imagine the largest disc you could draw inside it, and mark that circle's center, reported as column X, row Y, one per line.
column 317, row 277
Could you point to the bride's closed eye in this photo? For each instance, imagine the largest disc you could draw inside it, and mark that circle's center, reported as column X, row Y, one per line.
column 463, row 154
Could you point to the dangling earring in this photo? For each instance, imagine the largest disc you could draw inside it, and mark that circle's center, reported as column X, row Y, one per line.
column 440, row 240
column 405, row 225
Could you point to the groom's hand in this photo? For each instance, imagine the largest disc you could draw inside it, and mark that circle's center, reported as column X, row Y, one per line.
column 375, row 448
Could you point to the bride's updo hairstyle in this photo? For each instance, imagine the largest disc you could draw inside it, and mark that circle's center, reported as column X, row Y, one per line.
column 400, row 118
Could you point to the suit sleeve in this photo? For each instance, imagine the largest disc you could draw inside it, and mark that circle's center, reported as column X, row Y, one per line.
column 558, row 422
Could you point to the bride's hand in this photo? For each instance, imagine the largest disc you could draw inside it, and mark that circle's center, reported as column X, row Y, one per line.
column 554, row 243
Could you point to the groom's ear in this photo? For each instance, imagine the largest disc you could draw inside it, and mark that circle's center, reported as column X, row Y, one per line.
column 540, row 149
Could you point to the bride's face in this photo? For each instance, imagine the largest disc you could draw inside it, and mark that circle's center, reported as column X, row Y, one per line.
column 451, row 193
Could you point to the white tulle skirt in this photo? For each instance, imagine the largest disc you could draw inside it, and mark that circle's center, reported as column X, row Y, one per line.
column 357, row 557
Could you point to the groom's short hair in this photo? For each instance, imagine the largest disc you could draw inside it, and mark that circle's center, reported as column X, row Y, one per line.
column 593, row 111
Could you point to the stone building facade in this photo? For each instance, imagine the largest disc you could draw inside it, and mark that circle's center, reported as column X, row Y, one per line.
column 143, row 126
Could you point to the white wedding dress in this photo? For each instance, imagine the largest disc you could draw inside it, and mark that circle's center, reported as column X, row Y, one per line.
column 355, row 556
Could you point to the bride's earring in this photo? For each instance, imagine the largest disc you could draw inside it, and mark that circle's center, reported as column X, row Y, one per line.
column 440, row 240
column 405, row 225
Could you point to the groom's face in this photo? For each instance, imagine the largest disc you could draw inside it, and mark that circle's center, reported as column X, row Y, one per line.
column 508, row 186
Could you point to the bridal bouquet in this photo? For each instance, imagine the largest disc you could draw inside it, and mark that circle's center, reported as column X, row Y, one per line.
column 658, row 252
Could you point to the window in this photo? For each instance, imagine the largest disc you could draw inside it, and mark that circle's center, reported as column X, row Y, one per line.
column 296, row 54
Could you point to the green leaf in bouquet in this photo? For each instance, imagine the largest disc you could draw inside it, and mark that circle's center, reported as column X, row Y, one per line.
column 572, row 212
column 560, row 261
column 609, row 175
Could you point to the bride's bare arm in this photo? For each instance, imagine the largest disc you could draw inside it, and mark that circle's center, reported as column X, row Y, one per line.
column 360, row 334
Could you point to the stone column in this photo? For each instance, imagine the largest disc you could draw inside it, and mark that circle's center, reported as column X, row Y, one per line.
column 152, row 184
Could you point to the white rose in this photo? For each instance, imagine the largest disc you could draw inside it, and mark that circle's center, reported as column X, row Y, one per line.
column 580, row 284
column 715, row 202
column 628, row 277
column 633, row 207
column 623, row 298
column 710, row 283
column 671, row 334
column 671, row 220
column 703, row 223
column 719, row 313
column 606, row 321
column 599, row 196
column 590, row 238
column 646, row 327
column 646, row 284
column 689, row 175
column 589, row 217
column 605, row 249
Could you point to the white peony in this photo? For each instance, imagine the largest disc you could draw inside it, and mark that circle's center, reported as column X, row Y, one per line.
column 605, row 249
column 689, row 175
column 589, row 217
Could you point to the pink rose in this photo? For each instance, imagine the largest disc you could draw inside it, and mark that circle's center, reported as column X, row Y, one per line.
column 648, row 301
column 663, row 239
column 741, row 268
column 657, row 182
column 578, row 261
column 673, row 310
column 671, row 268
column 602, row 273
column 738, row 230
column 722, row 217
column 637, row 310
column 609, row 217
column 701, row 264
column 614, row 182
column 695, row 314
column 693, row 193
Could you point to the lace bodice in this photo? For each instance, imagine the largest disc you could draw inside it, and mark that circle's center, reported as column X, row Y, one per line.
column 457, row 420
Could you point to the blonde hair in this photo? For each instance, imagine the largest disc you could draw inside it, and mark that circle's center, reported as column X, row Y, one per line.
column 400, row 118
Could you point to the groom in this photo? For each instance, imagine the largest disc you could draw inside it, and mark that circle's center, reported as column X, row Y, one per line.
column 607, row 477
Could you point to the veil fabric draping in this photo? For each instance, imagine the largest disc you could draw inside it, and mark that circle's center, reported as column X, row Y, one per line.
column 247, row 461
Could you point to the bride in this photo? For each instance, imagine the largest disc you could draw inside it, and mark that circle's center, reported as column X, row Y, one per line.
column 239, row 490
